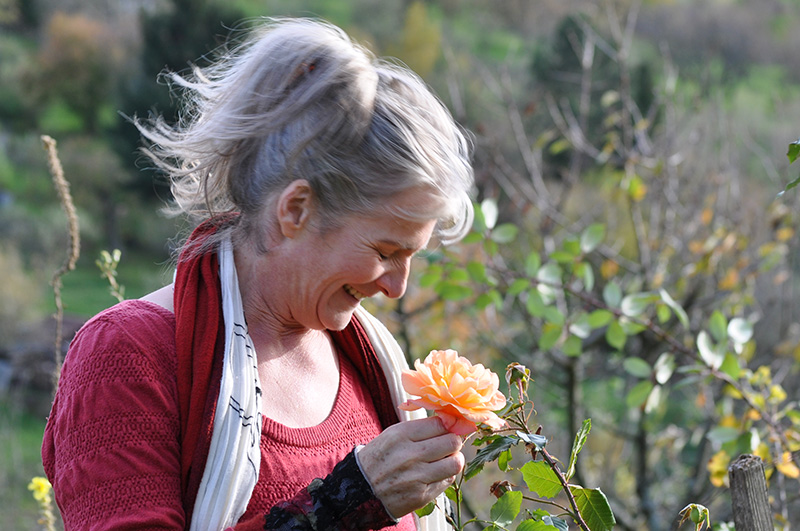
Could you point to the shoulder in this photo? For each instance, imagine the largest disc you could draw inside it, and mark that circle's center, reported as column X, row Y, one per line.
column 136, row 334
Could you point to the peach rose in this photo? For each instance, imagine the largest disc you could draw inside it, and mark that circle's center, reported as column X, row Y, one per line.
column 463, row 395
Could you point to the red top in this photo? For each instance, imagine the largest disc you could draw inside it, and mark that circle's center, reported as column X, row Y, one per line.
column 112, row 443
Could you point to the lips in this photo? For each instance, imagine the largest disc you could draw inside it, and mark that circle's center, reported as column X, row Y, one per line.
column 354, row 292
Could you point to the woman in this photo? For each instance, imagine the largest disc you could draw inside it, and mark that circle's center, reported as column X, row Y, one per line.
column 254, row 391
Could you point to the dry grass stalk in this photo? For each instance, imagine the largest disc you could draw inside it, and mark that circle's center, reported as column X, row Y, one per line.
column 64, row 196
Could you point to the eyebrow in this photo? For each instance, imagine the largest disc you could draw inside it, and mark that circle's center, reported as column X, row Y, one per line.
column 402, row 246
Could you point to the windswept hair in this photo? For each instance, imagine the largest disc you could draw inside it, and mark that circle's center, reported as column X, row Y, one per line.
column 300, row 100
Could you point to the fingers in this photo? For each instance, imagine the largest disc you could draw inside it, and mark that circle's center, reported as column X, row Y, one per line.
column 421, row 429
column 411, row 463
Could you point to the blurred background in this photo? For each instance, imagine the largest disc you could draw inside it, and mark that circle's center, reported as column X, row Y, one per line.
column 665, row 120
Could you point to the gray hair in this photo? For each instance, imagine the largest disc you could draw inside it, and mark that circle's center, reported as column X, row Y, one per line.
column 300, row 100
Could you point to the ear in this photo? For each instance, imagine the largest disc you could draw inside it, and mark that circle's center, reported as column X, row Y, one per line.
column 295, row 207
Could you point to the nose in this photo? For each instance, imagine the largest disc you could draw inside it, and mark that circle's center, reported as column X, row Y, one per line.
column 394, row 280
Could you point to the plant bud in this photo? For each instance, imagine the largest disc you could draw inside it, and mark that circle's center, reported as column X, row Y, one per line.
column 499, row 488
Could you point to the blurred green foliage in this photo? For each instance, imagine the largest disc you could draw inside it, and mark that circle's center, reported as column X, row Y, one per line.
column 672, row 138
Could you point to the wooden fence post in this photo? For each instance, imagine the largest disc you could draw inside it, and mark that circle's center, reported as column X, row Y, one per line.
column 751, row 510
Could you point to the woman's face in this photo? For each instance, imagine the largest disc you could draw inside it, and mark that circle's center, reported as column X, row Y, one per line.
column 365, row 256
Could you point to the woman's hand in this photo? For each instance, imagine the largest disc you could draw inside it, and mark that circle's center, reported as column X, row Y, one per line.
column 411, row 463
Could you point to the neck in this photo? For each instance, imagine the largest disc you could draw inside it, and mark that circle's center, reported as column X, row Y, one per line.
column 265, row 305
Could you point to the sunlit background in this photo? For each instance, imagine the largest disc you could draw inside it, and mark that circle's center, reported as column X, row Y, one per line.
column 667, row 121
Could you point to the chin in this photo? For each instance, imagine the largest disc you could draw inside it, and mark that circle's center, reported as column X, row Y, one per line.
column 338, row 322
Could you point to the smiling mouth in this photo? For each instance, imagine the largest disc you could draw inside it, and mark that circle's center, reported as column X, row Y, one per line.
column 354, row 292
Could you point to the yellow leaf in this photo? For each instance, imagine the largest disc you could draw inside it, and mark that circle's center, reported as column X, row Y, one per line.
column 697, row 247
column 762, row 451
column 776, row 394
column 729, row 421
column 718, row 468
column 637, row 189
column 700, row 401
column 706, row 216
column 787, row 467
column 752, row 414
column 608, row 269
column 730, row 280
column 784, row 234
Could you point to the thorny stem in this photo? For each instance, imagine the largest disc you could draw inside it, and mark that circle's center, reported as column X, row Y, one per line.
column 564, row 485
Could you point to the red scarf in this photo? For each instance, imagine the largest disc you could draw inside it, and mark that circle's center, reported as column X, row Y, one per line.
column 200, row 344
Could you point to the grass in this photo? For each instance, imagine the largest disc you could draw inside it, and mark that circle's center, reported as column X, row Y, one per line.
column 20, row 460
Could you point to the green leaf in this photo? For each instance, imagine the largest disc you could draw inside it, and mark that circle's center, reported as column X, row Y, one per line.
column 547, row 523
column 680, row 313
column 504, row 460
column 794, row 151
column 458, row 275
column 637, row 396
column 718, row 326
column 425, row 511
column 541, row 479
column 518, row 286
column 572, row 347
column 612, row 294
column 454, row 292
column 505, row 233
column 534, row 525
column 615, row 335
column 505, row 510
column 594, row 508
column 653, row 399
column 431, row 276
column 453, row 495
column 532, row 264
column 631, row 328
column 581, row 327
column 537, row 440
column 535, row 304
column 635, row 304
column 550, row 276
column 554, row 521
column 664, row 367
column 572, row 246
column 789, row 186
column 483, row 301
column 723, row 434
column 709, row 352
column 562, row 257
column 554, row 315
column 489, row 212
column 592, row 237
column 585, row 272
column 489, row 453
column 551, row 333
column 599, row 318
column 577, row 446
column 740, row 330
column 637, row 367
column 472, row 237
column 663, row 313
column 730, row 366
column 477, row 271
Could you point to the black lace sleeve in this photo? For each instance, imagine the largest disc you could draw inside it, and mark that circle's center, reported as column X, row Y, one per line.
column 343, row 500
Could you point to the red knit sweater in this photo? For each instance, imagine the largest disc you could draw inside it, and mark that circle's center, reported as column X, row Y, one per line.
column 112, row 443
